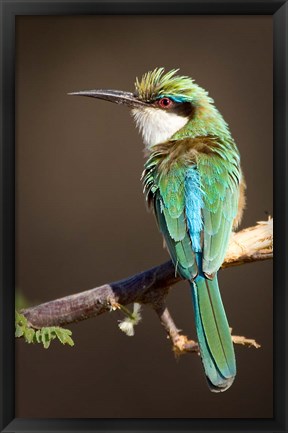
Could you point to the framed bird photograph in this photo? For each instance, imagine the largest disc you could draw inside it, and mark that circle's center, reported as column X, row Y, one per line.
column 143, row 150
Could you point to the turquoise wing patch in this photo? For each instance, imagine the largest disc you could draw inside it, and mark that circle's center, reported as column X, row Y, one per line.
column 193, row 206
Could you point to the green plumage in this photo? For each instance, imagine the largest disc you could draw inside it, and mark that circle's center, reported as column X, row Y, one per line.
column 220, row 199
column 193, row 180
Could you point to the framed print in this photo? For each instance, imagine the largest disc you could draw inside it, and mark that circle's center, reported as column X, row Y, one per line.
column 78, row 244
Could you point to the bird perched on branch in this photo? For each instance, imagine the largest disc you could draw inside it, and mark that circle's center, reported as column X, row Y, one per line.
column 192, row 179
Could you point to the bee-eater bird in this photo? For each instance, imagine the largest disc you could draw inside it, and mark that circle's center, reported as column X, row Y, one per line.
column 192, row 179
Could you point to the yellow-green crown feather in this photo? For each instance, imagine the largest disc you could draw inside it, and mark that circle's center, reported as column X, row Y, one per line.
column 156, row 83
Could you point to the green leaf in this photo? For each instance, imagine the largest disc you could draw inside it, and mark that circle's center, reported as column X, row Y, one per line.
column 38, row 336
column 29, row 335
column 20, row 319
column 64, row 336
column 19, row 331
column 59, row 334
column 69, row 340
column 44, row 335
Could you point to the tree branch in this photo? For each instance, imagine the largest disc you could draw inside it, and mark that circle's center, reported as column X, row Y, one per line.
column 151, row 287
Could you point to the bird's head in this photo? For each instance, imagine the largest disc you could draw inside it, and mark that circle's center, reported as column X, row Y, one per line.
column 162, row 104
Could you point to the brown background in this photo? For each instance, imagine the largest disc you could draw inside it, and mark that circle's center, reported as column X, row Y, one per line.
column 81, row 217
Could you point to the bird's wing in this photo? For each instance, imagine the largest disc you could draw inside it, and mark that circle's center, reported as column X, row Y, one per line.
column 167, row 194
column 169, row 205
column 195, row 208
column 219, row 180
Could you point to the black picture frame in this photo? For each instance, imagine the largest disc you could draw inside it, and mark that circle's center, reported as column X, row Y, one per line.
column 9, row 11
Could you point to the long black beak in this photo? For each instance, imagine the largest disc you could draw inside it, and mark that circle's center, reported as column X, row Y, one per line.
column 116, row 96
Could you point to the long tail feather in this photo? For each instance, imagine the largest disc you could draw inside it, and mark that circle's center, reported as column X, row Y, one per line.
column 215, row 343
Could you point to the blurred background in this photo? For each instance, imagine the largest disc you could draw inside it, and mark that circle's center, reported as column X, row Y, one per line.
column 82, row 221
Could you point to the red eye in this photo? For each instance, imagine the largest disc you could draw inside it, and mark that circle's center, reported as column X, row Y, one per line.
column 165, row 102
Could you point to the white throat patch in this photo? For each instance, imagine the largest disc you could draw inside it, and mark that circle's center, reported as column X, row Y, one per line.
column 156, row 125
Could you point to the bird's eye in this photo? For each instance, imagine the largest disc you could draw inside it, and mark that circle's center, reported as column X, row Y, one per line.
column 165, row 102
